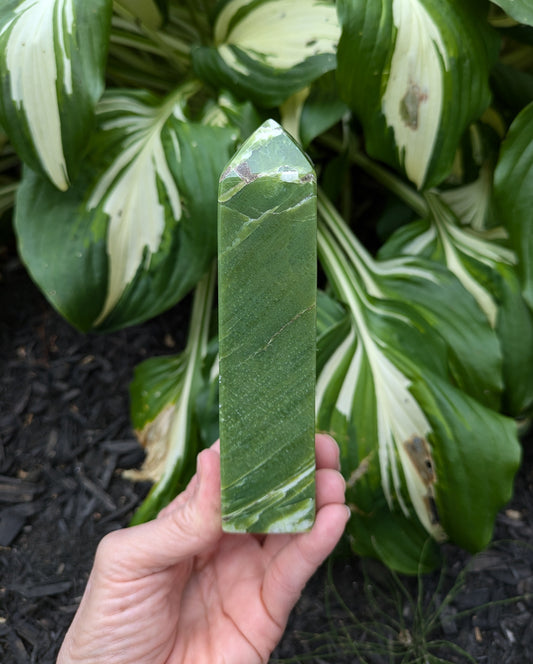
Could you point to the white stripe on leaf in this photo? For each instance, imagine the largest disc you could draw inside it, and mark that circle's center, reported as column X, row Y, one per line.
column 399, row 415
column 278, row 33
column 458, row 242
column 419, row 243
column 128, row 190
column 330, row 370
column 471, row 202
column 36, row 42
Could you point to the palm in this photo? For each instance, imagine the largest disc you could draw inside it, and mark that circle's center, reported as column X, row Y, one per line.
column 176, row 590
column 222, row 615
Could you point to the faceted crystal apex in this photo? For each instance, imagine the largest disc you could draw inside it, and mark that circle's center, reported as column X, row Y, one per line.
column 270, row 152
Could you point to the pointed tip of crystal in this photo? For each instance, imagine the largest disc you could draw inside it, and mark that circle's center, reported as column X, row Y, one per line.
column 259, row 156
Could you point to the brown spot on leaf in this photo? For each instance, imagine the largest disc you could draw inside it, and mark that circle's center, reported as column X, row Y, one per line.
column 410, row 104
column 418, row 450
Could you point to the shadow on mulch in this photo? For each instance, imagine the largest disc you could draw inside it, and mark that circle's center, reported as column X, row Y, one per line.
column 65, row 436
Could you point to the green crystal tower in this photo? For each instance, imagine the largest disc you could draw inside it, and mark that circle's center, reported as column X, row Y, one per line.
column 267, row 335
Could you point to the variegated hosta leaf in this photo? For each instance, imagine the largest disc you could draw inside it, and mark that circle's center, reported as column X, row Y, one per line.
column 405, row 432
column 156, row 387
column 330, row 315
column 520, row 10
column 425, row 288
column 467, row 253
column 347, row 407
column 514, row 194
column 423, row 66
column 485, row 267
column 163, row 402
column 265, row 50
column 52, row 60
column 472, row 203
column 138, row 228
column 476, row 453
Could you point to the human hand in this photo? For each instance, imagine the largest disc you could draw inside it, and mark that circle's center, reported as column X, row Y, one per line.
column 177, row 590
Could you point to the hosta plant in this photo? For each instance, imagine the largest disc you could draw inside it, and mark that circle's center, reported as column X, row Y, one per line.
column 418, row 116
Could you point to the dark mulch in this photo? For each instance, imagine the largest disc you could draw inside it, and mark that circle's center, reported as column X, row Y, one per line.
column 65, row 436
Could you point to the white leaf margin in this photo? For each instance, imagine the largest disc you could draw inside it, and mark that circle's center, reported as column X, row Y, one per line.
column 278, row 33
column 413, row 98
column 38, row 34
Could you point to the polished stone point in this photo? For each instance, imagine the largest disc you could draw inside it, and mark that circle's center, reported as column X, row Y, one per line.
column 267, row 263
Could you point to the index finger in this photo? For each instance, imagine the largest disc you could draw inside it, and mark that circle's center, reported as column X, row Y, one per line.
column 327, row 452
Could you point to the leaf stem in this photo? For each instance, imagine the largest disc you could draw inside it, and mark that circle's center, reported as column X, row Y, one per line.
column 195, row 32
column 201, row 315
column 122, row 77
column 140, row 42
column 194, row 16
column 384, row 176
column 7, row 196
column 182, row 443
column 172, row 48
column 519, row 56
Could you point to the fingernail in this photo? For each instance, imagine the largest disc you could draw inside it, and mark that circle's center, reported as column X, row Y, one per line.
column 348, row 512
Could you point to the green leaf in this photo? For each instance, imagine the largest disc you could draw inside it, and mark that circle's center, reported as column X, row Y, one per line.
column 163, row 396
column 138, row 228
column 266, row 50
column 241, row 115
column 405, row 431
column 362, row 395
column 365, row 403
column 476, row 454
column 424, row 288
column 512, row 88
column 312, row 111
column 513, row 183
column 207, row 402
column 67, row 260
column 150, row 12
column 330, row 314
column 472, row 202
column 515, row 328
column 52, row 59
column 520, row 10
column 398, row 541
column 322, row 109
column 485, row 267
column 424, row 68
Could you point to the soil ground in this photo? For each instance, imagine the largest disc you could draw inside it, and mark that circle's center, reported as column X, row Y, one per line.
column 65, row 437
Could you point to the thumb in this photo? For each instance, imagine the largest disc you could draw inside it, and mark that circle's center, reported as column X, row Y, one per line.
column 189, row 526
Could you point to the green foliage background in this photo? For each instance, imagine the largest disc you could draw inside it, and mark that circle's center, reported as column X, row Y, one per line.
column 418, row 115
